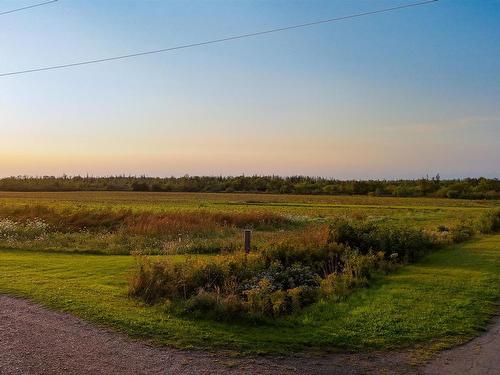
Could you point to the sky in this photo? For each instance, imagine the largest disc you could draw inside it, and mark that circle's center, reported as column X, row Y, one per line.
column 404, row 94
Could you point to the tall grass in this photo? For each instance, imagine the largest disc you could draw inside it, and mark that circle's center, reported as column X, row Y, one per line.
column 145, row 223
column 123, row 231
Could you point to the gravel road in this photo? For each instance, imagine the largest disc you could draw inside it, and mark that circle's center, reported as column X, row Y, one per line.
column 480, row 356
column 35, row 341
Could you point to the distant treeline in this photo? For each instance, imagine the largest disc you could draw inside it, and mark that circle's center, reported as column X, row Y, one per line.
column 469, row 188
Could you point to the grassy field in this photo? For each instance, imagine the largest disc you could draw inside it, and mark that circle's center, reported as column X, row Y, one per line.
column 304, row 211
column 441, row 301
column 438, row 302
column 420, row 210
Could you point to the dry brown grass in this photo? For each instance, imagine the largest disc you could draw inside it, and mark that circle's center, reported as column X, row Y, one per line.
column 145, row 223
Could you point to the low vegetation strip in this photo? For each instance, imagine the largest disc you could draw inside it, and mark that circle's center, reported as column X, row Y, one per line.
column 443, row 299
column 124, row 231
column 190, row 283
column 196, row 223
column 171, row 223
column 286, row 277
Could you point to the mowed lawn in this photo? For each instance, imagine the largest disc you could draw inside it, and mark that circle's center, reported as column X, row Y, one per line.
column 441, row 301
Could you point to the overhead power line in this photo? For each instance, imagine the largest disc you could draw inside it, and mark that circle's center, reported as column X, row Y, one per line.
column 226, row 39
column 27, row 7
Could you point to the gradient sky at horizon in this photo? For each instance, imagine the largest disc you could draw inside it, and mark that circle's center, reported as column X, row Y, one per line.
column 395, row 95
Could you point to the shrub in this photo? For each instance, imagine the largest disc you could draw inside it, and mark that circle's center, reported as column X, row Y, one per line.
column 283, row 278
column 357, row 266
column 454, row 194
column 155, row 279
column 259, row 299
column 355, row 234
column 321, row 259
column 461, row 232
column 335, row 285
column 262, row 301
column 302, row 296
column 215, row 306
column 278, row 281
column 489, row 222
column 408, row 243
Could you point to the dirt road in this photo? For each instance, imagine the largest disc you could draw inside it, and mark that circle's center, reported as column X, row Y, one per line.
column 478, row 357
column 35, row 340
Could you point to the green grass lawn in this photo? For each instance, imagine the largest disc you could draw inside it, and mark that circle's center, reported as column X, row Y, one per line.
column 443, row 300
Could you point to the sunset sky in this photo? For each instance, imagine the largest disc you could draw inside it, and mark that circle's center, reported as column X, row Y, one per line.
column 394, row 95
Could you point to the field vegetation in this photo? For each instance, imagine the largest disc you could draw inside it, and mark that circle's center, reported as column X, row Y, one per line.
column 282, row 278
column 159, row 223
column 171, row 266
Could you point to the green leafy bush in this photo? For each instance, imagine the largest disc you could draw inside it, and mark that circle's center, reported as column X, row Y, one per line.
column 409, row 243
column 321, row 258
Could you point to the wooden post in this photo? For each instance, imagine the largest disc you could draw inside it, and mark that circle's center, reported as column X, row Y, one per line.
column 248, row 237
